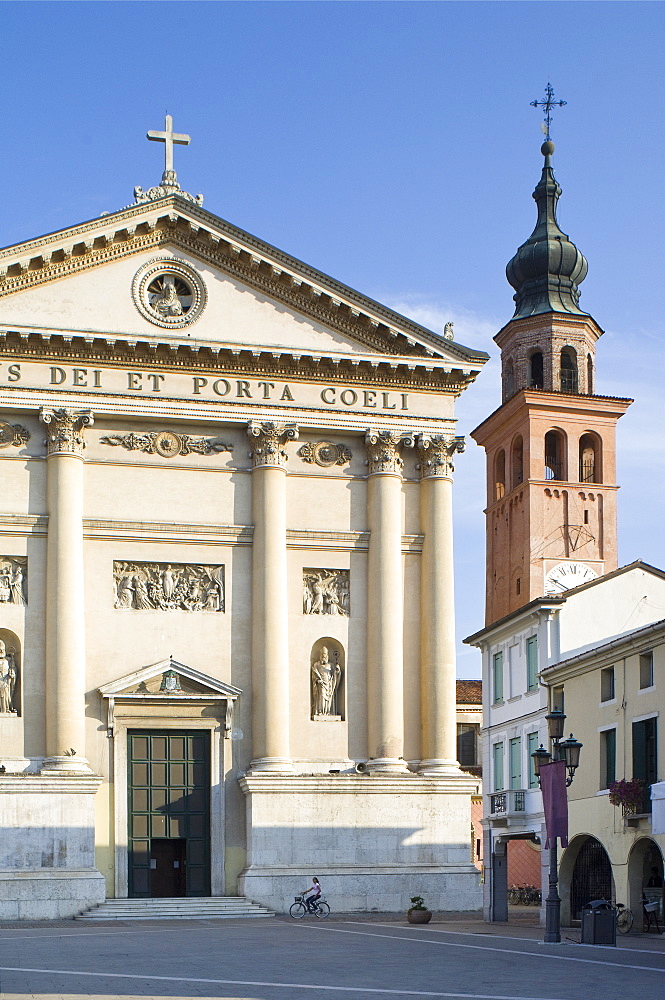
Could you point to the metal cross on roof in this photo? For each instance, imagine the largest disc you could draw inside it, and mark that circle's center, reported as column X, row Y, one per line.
column 169, row 138
column 547, row 105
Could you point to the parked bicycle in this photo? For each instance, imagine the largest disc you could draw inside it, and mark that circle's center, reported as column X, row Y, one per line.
column 318, row 907
column 525, row 895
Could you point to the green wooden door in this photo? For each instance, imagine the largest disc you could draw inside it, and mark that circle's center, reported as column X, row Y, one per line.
column 169, row 798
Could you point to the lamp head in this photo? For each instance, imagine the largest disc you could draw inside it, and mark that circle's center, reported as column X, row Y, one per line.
column 555, row 721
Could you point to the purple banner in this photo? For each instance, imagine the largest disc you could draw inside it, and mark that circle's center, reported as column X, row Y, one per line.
column 555, row 801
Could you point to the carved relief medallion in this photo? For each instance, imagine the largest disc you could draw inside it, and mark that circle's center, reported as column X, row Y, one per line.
column 168, row 587
column 14, row 434
column 168, row 444
column 326, row 592
column 325, row 454
column 169, row 293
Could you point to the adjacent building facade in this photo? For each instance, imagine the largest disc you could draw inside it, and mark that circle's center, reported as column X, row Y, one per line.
column 225, row 576
column 614, row 699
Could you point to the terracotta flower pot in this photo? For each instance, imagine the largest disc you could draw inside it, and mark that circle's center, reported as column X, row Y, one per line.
column 419, row 916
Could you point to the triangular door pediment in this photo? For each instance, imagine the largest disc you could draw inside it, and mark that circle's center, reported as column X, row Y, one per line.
column 83, row 281
column 148, row 681
column 168, row 682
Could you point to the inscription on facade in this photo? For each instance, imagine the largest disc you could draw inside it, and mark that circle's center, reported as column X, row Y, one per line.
column 230, row 388
column 143, row 586
column 326, row 591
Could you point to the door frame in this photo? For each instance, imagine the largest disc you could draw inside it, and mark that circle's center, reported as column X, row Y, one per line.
column 119, row 772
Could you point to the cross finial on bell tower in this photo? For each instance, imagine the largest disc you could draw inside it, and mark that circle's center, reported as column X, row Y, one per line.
column 547, row 105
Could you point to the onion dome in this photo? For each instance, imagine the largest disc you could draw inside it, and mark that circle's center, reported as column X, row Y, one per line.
column 547, row 270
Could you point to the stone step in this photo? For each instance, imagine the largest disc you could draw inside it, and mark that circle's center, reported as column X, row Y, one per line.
column 193, row 908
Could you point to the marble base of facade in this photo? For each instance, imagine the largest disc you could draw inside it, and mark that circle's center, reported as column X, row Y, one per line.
column 51, row 894
column 47, row 864
column 373, row 840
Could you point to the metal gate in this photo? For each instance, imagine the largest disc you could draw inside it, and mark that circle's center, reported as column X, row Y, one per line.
column 592, row 877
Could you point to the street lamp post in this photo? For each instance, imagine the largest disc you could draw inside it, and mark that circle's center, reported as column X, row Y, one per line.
column 568, row 750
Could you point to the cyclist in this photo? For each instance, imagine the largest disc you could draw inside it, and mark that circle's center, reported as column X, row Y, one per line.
column 311, row 895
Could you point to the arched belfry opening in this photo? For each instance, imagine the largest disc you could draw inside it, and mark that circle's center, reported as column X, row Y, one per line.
column 589, row 375
column 555, row 455
column 568, row 370
column 590, row 459
column 517, row 462
column 500, row 474
column 536, row 370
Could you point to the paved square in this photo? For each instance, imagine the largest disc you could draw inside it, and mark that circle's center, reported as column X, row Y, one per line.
column 346, row 958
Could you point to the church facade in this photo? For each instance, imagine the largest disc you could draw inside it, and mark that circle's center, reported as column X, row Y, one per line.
column 226, row 578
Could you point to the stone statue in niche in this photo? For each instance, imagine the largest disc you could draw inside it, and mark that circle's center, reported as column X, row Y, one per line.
column 7, row 681
column 168, row 587
column 325, row 592
column 326, row 675
column 13, row 572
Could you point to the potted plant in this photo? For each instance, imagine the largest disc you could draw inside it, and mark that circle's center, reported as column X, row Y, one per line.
column 628, row 794
column 418, row 912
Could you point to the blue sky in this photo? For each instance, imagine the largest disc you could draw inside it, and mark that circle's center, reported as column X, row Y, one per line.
column 391, row 145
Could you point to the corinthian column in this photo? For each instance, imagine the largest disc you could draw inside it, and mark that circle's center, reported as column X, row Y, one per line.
column 65, row 598
column 438, row 695
column 385, row 603
column 270, row 650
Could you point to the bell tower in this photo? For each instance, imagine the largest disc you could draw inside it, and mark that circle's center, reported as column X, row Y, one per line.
column 551, row 445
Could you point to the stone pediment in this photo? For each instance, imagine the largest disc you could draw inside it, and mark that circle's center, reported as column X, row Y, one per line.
column 100, row 280
column 168, row 681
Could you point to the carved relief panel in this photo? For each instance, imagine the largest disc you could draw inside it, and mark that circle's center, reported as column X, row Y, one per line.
column 143, row 586
column 326, row 592
column 327, row 680
column 13, row 580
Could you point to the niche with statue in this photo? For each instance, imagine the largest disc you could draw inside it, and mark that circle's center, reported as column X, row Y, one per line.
column 327, row 681
column 10, row 673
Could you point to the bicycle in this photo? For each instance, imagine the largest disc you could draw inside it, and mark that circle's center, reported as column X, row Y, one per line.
column 318, row 907
column 625, row 918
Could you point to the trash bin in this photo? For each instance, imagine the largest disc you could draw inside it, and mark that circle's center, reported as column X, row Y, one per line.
column 599, row 923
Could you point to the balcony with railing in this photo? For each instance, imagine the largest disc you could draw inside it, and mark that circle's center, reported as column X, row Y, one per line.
column 507, row 805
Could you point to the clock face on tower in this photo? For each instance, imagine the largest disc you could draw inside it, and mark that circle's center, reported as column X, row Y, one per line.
column 567, row 575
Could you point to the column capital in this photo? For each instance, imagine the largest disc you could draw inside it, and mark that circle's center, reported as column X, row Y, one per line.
column 436, row 454
column 384, row 451
column 267, row 441
column 64, row 430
